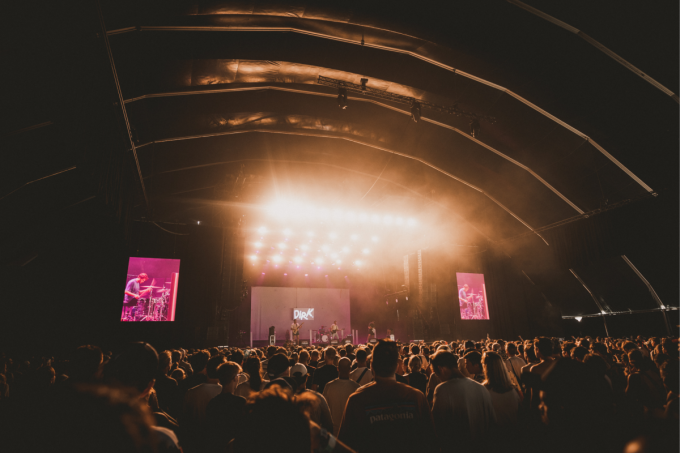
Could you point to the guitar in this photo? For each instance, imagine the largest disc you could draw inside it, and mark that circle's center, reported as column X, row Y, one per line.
column 295, row 331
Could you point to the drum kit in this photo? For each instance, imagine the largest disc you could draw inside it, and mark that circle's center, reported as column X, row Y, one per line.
column 153, row 308
column 323, row 335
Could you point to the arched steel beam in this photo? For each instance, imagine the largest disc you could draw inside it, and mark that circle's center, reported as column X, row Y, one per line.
column 359, row 142
column 372, row 101
column 359, row 35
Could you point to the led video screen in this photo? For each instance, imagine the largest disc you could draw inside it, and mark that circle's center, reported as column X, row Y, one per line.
column 150, row 290
column 472, row 296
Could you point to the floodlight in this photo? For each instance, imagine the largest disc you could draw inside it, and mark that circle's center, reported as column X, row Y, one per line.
column 375, row 238
column 578, row 318
column 258, row 244
column 333, row 235
column 297, row 259
column 319, row 261
column 354, row 237
column 287, row 231
column 366, row 251
column 282, row 245
column 276, row 258
column 262, row 230
column 253, row 257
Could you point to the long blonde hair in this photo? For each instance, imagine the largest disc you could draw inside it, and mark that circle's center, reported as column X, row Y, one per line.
column 496, row 374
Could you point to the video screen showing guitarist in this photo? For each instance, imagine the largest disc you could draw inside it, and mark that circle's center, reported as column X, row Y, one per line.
column 295, row 328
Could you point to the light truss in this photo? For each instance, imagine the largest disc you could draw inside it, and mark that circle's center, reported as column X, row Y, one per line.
column 400, row 99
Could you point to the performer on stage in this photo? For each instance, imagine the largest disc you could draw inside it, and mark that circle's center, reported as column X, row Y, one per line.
column 295, row 328
column 334, row 330
column 132, row 293
column 465, row 297
column 371, row 332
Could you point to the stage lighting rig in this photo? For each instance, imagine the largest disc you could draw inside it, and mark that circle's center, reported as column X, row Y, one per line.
column 342, row 98
column 400, row 99
column 415, row 111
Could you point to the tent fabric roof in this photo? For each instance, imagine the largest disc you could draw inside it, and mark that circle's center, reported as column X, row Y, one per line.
column 209, row 86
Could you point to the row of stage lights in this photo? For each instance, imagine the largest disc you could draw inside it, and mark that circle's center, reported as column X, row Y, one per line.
column 300, row 212
column 325, row 252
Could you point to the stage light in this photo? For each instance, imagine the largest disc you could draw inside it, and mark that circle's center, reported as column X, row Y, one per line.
column 285, row 273
column 357, row 262
column 345, row 249
column 387, row 220
column 354, row 237
column 258, row 244
column 304, row 247
column 334, row 255
column 326, row 275
column 319, row 261
column 342, row 98
column 375, row 218
column 325, row 248
column 276, row 258
column 332, row 235
column 262, row 273
column 399, row 221
column 297, row 259
column 262, row 230
column 253, row 257
column 199, row 222
column 306, row 275
column 338, row 262
column 337, row 214
column 350, row 216
column 363, row 218
column 411, row 222
column 366, row 251
column 324, row 213
column 375, row 238
column 282, row 245
column 287, row 231
column 578, row 318
column 310, row 234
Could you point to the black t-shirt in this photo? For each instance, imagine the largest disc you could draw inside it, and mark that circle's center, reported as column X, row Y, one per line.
column 224, row 415
column 310, row 372
column 324, row 375
column 314, row 363
column 418, row 380
column 402, row 379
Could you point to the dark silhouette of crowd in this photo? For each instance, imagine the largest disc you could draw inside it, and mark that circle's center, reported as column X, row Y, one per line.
column 542, row 395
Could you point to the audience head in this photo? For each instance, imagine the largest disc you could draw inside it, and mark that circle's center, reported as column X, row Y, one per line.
column 543, row 347
column 473, row 362
column 278, row 366
column 213, row 364
column 86, row 365
column 495, row 373
column 199, row 361
column 511, row 349
column 344, row 366
column 445, row 365
column 361, row 356
column 135, row 368
column 227, row 373
column 414, row 364
column 286, row 426
column 178, row 374
column 164, row 362
column 578, row 353
column 329, row 354
column 385, row 356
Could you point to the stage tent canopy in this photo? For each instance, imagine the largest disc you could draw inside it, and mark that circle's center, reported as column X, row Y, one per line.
column 553, row 143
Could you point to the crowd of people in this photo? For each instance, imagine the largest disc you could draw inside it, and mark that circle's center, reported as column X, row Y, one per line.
column 547, row 394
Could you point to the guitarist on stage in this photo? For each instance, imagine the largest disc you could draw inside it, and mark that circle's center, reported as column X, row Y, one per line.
column 295, row 328
column 334, row 330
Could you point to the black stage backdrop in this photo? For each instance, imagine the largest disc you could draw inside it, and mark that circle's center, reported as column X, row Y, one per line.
column 71, row 292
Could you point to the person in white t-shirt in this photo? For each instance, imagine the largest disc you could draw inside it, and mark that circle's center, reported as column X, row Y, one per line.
column 505, row 396
column 334, row 330
column 462, row 409
column 362, row 375
column 337, row 392
column 514, row 363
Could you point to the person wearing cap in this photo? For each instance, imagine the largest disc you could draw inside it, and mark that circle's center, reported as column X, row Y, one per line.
column 337, row 392
column 309, row 401
column 278, row 366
